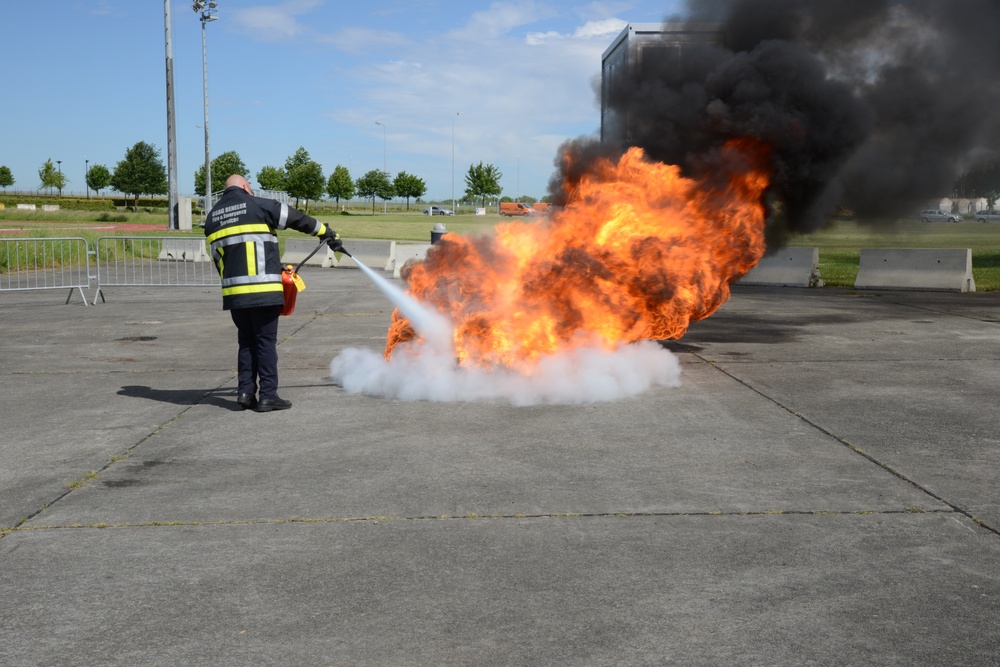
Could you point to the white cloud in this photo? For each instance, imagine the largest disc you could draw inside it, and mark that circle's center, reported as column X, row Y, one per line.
column 499, row 19
column 273, row 23
column 606, row 28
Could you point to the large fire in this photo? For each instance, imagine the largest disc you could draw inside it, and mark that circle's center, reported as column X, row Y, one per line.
column 638, row 252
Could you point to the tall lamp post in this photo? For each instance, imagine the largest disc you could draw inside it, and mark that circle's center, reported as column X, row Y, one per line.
column 173, row 208
column 207, row 11
column 457, row 113
column 86, row 173
column 59, row 162
column 384, row 171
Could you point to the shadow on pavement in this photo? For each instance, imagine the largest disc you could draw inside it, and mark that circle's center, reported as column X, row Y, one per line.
column 221, row 398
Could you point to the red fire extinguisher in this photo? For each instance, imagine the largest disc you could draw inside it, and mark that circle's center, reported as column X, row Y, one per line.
column 292, row 284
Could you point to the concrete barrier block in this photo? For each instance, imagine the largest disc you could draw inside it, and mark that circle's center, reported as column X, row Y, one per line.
column 26, row 207
column 372, row 253
column 183, row 215
column 297, row 249
column 789, row 267
column 948, row 269
column 404, row 252
column 184, row 250
column 50, row 207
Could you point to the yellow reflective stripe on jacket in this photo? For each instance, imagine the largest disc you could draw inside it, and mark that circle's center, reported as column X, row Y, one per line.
column 253, row 228
column 252, row 289
column 251, row 259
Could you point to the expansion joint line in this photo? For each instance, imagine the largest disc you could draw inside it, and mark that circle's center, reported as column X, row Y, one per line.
column 474, row 517
column 857, row 450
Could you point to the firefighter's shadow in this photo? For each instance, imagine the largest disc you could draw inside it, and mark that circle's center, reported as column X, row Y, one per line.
column 223, row 398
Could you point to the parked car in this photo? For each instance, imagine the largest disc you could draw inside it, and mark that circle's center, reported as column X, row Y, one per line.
column 988, row 216
column 937, row 215
column 437, row 210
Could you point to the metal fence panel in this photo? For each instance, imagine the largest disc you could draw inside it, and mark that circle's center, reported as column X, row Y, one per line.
column 45, row 263
column 162, row 261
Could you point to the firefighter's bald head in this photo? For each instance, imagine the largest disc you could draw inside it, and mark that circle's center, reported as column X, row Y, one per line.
column 238, row 181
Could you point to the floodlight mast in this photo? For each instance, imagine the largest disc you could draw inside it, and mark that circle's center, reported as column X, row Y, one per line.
column 207, row 15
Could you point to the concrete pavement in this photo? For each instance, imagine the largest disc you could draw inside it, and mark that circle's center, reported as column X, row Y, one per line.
column 820, row 490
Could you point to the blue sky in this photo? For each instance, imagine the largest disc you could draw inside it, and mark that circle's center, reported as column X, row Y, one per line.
column 85, row 80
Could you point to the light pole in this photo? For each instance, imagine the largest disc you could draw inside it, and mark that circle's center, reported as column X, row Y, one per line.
column 384, row 171
column 173, row 208
column 86, row 172
column 457, row 113
column 207, row 11
column 59, row 162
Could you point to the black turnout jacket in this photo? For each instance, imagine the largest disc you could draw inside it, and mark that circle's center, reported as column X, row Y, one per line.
column 242, row 233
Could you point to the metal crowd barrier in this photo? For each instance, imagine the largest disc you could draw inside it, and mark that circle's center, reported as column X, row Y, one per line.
column 161, row 261
column 40, row 263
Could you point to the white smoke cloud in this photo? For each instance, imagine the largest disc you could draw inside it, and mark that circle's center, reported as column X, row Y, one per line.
column 579, row 375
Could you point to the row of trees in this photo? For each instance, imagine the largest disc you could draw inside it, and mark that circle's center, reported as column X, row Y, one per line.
column 52, row 178
column 142, row 173
column 302, row 178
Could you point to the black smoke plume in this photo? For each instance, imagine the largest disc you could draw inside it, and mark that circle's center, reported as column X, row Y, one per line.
column 875, row 106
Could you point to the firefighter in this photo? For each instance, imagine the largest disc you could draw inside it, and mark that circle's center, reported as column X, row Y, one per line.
column 242, row 233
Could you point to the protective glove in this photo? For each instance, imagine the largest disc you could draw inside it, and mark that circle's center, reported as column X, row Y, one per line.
column 332, row 239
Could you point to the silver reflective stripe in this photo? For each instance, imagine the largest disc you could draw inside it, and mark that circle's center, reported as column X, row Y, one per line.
column 251, row 280
column 243, row 238
column 261, row 268
column 283, row 218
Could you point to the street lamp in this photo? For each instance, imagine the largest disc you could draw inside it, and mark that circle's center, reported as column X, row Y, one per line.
column 59, row 162
column 86, row 172
column 457, row 113
column 384, row 170
column 207, row 11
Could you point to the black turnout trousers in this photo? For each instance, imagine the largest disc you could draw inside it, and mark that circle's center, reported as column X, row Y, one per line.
column 257, row 361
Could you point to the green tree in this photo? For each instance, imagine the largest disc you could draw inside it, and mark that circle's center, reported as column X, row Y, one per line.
column 375, row 183
column 223, row 167
column 98, row 178
column 51, row 177
column 482, row 181
column 300, row 158
column 272, row 178
column 305, row 181
column 408, row 185
column 340, row 186
column 6, row 177
column 140, row 173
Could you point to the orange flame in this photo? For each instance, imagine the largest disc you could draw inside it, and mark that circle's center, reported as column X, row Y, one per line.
column 639, row 252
